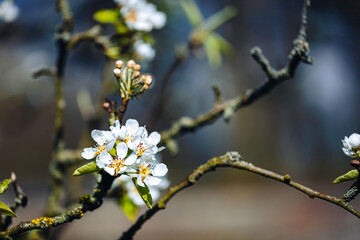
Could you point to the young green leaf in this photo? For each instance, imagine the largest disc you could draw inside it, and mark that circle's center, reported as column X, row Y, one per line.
column 6, row 210
column 353, row 174
column 85, row 169
column 106, row 15
column 4, row 185
column 192, row 12
column 144, row 193
column 129, row 208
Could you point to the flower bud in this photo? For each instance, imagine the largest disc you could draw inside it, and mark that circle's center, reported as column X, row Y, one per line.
column 119, row 64
column 117, row 72
column 137, row 74
column 131, row 64
column 148, row 80
column 137, row 67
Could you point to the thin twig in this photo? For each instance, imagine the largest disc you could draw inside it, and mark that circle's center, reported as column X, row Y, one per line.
column 232, row 160
column 298, row 54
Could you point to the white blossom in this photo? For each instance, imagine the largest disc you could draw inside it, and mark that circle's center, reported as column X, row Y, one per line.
column 144, row 51
column 8, row 11
column 104, row 143
column 149, row 172
column 140, row 15
column 351, row 145
column 115, row 165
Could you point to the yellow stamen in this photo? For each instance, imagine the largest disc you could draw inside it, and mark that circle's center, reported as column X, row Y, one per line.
column 143, row 171
column 117, row 164
column 131, row 16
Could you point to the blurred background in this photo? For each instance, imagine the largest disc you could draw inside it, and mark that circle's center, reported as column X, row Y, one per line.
column 296, row 129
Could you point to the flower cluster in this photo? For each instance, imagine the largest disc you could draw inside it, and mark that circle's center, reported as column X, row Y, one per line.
column 130, row 80
column 130, row 150
column 8, row 11
column 140, row 15
column 351, row 145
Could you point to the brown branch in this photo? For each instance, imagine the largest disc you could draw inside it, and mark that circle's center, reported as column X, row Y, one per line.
column 88, row 203
column 232, row 160
column 299, row 53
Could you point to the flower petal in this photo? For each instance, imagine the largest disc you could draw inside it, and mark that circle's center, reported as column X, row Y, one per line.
column 110, row 170
column 154, row 138
column 89, row 153
column 121, row 150
column 97, row 135
column 131, row 159
column 151, row 180
column 110, row 145
column 132, row 126
column 160, row 170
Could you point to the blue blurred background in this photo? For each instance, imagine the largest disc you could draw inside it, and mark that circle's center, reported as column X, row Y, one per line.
column 296, row 129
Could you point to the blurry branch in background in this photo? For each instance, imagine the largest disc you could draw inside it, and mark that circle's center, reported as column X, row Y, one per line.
column 232, row 160
column 202, row 36
column 56, row 169
column 20, row 200
column 299, row 53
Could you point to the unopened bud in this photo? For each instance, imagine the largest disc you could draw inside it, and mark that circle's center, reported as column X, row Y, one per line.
column 117, row 72
column 119, row 64
column 13, row 177
column 131, row 63
column 148, row 80
column 137, row 74
column 146, row 86
column 137, row 67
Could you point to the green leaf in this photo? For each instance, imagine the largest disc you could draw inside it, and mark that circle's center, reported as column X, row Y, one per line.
column 6, row 210
column 112, row 52
column 144, row 193
column 192, row 12
column 85, row 169
column 219, row 18
column 4, row 185
column 224, row 46
column 106, row 15
column 353, row 174
column 129, row 208
column 212, row 51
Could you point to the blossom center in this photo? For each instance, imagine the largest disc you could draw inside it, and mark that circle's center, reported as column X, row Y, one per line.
column 131, row 16
column 117, row 164
column 100, row 149
column 141, row 149
column 143, row 171
column 128, row 138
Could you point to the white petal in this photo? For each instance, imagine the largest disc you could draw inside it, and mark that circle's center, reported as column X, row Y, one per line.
column 154, row 138
column 89, row 153
column 110, row 170
column 131, row 159
column 158, row 20
column 121, row 150
column 132, row 126
column 110, row 145
column 97, row 135
column 139, row 181
column 160, row 170
column 122, row 133
column 151, row 180
column 105, row 158
column 354, row 140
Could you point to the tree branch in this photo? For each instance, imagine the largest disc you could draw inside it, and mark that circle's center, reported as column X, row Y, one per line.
column 232, row 160
column 88, row 203
column 299, row 53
